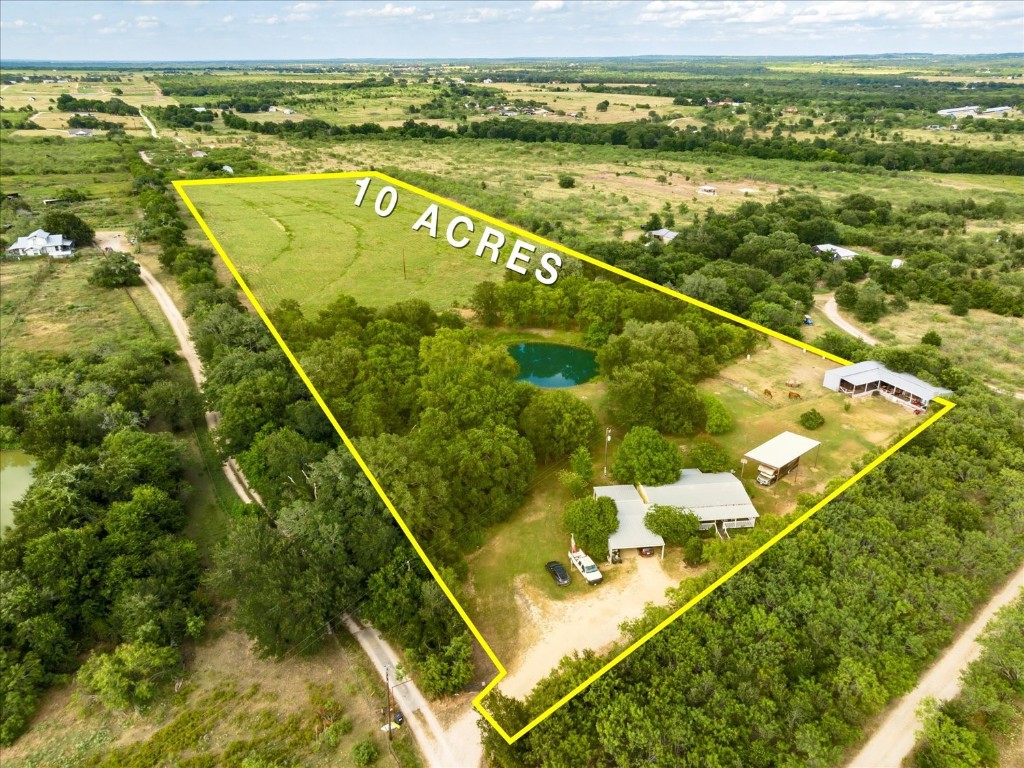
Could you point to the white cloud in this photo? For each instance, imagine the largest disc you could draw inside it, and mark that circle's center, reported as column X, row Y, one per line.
column 270, row 20
column 147, row 22
column 384, row 10
column 227, row 19
column 16, row 24
column 548, row 5
column 304, row 7
column 97, row 17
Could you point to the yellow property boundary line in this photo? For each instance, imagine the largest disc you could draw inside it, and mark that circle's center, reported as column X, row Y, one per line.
column 180, row 186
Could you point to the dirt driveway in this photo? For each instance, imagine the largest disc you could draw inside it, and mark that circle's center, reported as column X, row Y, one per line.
column 557, row 628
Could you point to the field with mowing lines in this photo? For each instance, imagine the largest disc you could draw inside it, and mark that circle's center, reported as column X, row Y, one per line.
column 306, row 240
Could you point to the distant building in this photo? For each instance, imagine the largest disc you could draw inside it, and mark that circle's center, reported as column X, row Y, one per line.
column 198, row 109
column 997, row 110
column 79, row 132
column 197, row 153
column 665, row 235
column 227, row 169
column 873, row 378
column 954, row 111
column 707, row 189
column 487, row 81
column 41, row 243
column 897, row 263
column 837, row 251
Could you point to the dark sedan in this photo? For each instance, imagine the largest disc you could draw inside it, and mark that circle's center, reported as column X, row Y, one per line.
column 558, row 573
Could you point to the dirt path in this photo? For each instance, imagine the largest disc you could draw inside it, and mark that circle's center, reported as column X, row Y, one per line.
column 434, row 744
column 149, row 124
column 894, row 738
column 585, row 621
column 831, row 310
column 145, row 157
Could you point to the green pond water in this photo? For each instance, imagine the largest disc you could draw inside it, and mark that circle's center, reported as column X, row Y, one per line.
column 15, row 478
column 553, row 366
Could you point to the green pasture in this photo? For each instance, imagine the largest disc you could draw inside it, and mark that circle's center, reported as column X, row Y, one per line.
column 306, row 240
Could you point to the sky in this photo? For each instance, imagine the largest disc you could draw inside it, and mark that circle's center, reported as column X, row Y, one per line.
column 211, row 30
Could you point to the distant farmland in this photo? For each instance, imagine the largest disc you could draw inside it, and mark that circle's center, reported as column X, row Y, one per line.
column 306, row 240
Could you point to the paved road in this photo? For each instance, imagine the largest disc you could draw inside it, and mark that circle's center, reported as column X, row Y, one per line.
column 430, row 736
column 894, row 738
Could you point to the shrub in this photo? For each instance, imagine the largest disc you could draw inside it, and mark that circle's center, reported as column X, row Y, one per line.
column 128, row 676
column 565, row 181
column 365, row 752
column 932, row 338
column 811, row 419
column 693, row 551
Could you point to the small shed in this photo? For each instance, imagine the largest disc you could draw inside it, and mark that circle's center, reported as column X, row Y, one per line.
column 665, row 235
column 781, row 455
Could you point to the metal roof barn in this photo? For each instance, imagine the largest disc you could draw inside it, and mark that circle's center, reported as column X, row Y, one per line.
column 782, row 450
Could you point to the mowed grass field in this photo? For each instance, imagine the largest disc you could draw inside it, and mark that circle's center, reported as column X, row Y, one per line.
column 306, row 240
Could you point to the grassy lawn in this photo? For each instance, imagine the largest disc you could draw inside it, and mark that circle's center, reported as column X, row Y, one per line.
column 308, row 241
column 869, row 424
column 231, row 705
column 49, row 306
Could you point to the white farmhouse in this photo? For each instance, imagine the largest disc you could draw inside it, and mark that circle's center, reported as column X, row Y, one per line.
column 41, row 243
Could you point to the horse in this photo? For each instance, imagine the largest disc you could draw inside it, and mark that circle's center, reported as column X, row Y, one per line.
column 768, row 394
column 794, row 396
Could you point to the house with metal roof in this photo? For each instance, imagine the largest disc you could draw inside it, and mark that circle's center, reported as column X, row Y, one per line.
column 665, row 235
column 872, row 378
column 717, row 499
column 41, row 243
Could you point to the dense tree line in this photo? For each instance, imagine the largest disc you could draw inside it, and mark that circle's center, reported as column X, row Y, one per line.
column 114, row 106
column 175, row 116
column 255, row 95
column 787, row 661
column 647, row 136
column 95, row 559
column 324, row 544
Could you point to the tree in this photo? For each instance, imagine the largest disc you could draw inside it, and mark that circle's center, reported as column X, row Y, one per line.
column 718, row 420
column 811, row 419
column 129, row 676
column 484, row 302
column 871, row 304
column 68, row 224
column 932, row 339
column 115, row 270
column 709, row 456
column 693, row 551
column 591, row 521
column 556, row 423
column 847, row 295
column 447, row 673
column 674, row 524
column 602, row 106
column 647, row 457
column 365, row 753
column 582, row 464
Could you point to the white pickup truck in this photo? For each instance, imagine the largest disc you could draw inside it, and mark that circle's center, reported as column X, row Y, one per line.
column 582, row 562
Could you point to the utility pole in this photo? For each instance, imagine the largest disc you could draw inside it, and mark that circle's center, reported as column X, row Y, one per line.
column 387, row 685
column 405, row 275
column 607, row 439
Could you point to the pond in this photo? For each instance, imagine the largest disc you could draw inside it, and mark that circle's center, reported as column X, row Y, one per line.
column 553, row 366
column 15, row 478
